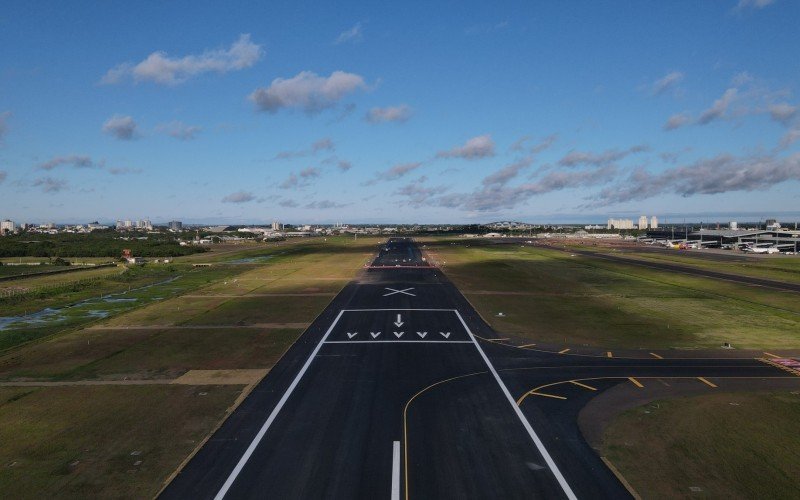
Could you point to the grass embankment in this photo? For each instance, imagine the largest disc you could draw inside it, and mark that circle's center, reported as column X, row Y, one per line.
column 77, row 441
column 549, row 296
column 741, row 445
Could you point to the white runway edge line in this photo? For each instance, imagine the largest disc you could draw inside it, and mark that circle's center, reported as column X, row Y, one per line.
column 396, row 470
column 254, row 444
column 538, row 442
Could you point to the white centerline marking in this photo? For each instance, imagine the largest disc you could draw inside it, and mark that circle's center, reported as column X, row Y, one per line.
column 538, row 442
column 250, row 449
column 396, row 470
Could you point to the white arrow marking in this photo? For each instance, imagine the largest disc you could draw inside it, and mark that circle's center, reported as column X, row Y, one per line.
column 395, row 291
column 398, row 334
column 374, row 334
column 445, row 335
column 399, row 321
column 422, row 334
column 351, row 335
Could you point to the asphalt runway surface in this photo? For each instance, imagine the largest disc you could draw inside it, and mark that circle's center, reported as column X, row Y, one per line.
column 399, row 390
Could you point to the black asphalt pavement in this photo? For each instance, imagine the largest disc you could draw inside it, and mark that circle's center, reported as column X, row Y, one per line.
column 393, row 392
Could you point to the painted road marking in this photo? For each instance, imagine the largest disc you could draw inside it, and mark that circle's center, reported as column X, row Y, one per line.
column 396, row 470
column 395, row 291
column 526, row 345
column 771, row 355
column 374, row 334
column 563, row 351
column 398, row 334
column 445, row 334
column 543, row 394
column 635, row 382
column 357, row 342
column 351, row 335
column 656, row 355
column 609, row 355
column 422, row 334
column 583, row 385
column 535, row 437
column 703, row 380
column 399, row 321
column 256, row 440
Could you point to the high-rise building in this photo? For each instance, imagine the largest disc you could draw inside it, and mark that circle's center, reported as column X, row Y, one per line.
column 654, row 222
column 7, row 226
column 643, row 222
column 620, row 224
column 276, row 226
column 175, row 225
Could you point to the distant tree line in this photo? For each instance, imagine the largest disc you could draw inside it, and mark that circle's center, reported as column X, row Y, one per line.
column 95, row 244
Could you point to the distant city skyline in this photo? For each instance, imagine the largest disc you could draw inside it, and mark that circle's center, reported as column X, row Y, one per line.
column 417, row 112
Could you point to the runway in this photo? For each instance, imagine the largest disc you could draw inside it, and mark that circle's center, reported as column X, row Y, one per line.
column 390, row 393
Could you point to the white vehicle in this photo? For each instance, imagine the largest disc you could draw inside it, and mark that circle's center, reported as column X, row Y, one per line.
column 767, row 250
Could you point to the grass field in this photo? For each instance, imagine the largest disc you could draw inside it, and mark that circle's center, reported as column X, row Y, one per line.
column 101, row 442
column 777, row 267
column 740, row 445
column 550, row 296
column 77, row 441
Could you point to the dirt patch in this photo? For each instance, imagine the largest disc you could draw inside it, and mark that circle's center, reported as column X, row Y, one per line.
column 221, row 377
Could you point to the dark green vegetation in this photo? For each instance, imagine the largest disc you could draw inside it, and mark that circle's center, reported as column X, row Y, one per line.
column 106, row 243
column 555, row 297
column 741, row 445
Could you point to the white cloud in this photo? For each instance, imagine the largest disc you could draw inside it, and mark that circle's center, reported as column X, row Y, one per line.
column 354, row 34
column 790, row 138
column 344, row 165
column 667, row 82
column 505, row 174
column 399, row 113
column 158, row 67
column 301, row 179
column 783, row 112
column 720, row 174
column 4, row 116
column 418, row 193
column 521, row 143
column 239, row 197
column 307, row 90
column 677, row 120
column 323, row 144
column 718, row 109
column 76, row 161
column 324, row 205
column 179, row 130
column 576, row 158
column 121, row 127
column 3, row 176
column 50, row 185
column 123, row 170
column 754, row 4
column 478, row 147
column 394, row 172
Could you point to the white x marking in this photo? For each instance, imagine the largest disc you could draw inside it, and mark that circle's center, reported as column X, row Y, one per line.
column 393, row 291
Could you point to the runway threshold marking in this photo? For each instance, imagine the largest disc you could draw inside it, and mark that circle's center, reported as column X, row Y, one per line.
column 564, row 351
column 525, row 345
column 256, row 440
column 583, row 385
column 535, row 437
column 609, row 355
column 396, row 470
column 705, row 381
column 635, row 382
column 656, row 355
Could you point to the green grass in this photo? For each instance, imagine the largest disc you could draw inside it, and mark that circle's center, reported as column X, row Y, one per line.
column 549, row 296
column 741, row 445
column 85, row 442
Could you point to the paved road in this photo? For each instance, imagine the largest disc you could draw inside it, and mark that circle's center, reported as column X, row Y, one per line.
column 392, row 393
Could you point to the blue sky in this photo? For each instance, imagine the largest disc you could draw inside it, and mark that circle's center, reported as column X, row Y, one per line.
column 400, row 112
